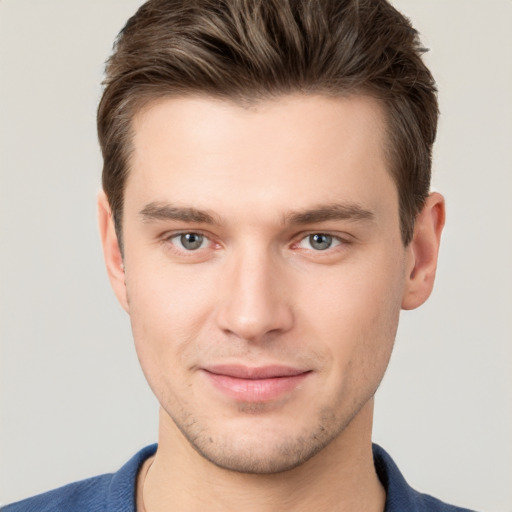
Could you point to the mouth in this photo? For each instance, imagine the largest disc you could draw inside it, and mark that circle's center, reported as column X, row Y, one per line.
column 255, row 384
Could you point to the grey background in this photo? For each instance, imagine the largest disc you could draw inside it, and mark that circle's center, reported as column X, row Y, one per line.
column 73, row 400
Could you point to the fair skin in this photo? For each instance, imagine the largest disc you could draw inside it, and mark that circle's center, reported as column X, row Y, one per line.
column 263, row 272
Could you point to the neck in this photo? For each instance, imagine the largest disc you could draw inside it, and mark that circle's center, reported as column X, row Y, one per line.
column 340, row 478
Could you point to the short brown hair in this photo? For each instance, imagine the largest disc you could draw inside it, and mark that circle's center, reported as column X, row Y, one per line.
column 248, row 50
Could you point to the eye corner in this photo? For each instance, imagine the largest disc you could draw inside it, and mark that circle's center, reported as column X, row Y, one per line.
column 320, row 243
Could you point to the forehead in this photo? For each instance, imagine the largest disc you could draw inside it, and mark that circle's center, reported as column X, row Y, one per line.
column 282, row 152
column 296, row 116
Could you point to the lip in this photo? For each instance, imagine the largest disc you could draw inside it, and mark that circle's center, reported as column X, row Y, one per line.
column 255, row 384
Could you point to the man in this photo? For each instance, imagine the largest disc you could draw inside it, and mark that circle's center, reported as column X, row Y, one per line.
column 265, row 216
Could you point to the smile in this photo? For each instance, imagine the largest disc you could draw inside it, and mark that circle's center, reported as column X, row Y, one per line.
column 262, row 384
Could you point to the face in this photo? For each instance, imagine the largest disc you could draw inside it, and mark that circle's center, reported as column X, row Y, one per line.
column 264, row 270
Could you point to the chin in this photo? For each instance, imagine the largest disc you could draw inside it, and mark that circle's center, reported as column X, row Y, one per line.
column 258, row 447
column 261, row 460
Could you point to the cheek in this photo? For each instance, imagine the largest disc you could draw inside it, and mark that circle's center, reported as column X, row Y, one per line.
column 355, row 314
column 167, row 310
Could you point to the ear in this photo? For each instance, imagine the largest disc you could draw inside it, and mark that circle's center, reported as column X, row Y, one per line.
column 111, row 250
column 422, row 252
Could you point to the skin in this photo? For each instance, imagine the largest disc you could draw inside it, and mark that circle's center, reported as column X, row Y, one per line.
column 258, row 292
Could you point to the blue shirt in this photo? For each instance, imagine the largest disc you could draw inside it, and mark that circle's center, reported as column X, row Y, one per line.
column 115, row 492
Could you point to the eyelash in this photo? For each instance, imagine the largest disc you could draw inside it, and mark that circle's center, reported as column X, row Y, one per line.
column 168, row 239
column 336, row 239
column 333, row 239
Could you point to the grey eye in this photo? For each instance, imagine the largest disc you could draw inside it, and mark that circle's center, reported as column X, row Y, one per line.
column 191, row 241
column 320, row 241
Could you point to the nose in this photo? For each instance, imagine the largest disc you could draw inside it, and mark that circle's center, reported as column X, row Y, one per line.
column 254, row 300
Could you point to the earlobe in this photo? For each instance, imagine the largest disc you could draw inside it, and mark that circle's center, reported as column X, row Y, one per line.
column 422, row 252
column 111, row 250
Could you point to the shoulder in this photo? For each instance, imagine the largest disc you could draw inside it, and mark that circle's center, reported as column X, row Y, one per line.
column 399, row 495
column 113, row 492
column 427, row 503
column 86, row 495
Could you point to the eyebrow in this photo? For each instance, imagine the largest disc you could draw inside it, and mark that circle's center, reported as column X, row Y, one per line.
column 334, row 211
column 160, row 211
